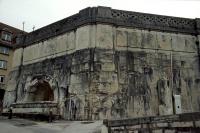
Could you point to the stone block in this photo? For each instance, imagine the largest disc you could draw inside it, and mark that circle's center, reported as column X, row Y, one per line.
column 92, row 36
column 197, row 123
column 182, row 124
column 17, row 57
column 83, row 37
column 104, row 12
column 138, row 69
column 122, row 77
column 76, row 68
column 11, row 85
column 60, row 43
column 107, row 88
column 178, row 42
column 149, row 39
column 134, row 38
column 108, row 77
column 104, row 57
column 49, row 48
column 30, row 53
column 9, row 97
column 198, row 23
column 190, row 43
column 70, row 41
column 176, row 57
column 79, row 78
column 121, row 37
column 158, row 131
column 104, row 129
column 104, row 36
column 137, row 61
column 164, row 40
column 169, row 131
column 162, row 124
column 78, row 88
column 13, row 74
column 108, row 66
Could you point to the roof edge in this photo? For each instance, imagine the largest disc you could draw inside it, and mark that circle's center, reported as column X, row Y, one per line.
column 112, row 16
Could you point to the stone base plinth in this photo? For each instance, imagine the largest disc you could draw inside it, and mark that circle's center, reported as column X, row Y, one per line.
column 42, row 107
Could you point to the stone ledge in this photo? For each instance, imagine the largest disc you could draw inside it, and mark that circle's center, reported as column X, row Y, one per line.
column 40, row 104
column 34, row 116
column 154, row 119
column 188, row 122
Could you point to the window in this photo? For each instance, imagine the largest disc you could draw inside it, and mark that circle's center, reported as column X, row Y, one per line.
column 6, row 37
column 2, row 79
column 4, row 50
column 3, row 64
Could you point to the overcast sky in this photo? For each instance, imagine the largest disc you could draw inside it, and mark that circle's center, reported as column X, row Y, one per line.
column 40, row 13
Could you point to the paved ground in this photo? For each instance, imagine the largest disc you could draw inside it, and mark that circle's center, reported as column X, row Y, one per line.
column 16, row 125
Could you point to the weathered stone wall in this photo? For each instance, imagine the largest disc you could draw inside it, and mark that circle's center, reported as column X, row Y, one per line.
column 100, row 71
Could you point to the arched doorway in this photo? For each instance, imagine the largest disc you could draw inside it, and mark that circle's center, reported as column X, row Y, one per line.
column 43, row 92
column 2, row 91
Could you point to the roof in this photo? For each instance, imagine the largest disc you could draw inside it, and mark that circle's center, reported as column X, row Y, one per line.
column 107, row 15
column 14, row 31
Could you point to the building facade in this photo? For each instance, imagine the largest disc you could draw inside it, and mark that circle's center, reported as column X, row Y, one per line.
column 8, row 36
column 104, row 63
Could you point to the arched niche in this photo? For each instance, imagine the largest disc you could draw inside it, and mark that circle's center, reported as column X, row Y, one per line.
column 40, row 88
column 39, row 91
column 43, row 92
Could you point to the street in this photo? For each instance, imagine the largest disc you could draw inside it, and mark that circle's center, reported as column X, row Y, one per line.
column 17, row 125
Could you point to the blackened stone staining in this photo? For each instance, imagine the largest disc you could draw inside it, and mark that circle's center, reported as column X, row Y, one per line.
column 189, row 81
column 197, row 81
column 176, row 81
column 72, row 106
column 198, row 100
column 161, row 87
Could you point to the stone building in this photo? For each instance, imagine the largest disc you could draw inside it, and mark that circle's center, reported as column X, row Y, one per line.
column 8, row 38
column 106, row 63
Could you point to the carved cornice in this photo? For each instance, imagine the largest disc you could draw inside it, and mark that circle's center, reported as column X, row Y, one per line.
column 115, row 17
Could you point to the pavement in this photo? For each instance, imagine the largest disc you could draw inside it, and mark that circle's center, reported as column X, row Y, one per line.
column 17, row 125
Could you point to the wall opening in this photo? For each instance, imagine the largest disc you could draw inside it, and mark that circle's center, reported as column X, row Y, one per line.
column 2, row 91
column 43, row 92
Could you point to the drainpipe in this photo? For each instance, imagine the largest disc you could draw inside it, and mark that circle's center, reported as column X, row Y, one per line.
column 171, row 81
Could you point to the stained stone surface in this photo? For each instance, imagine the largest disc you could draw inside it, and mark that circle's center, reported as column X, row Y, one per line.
column 101, row 71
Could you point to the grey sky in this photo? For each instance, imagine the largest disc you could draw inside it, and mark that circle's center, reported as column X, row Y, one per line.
column 43, row 12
